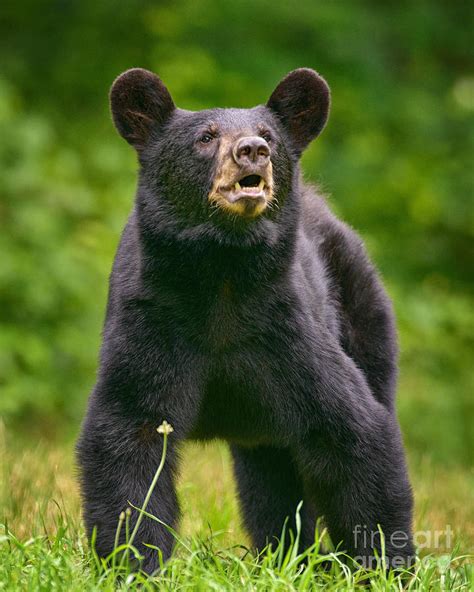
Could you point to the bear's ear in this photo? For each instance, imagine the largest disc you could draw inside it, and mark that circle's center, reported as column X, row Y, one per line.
column 301, row 102
column 140, row 103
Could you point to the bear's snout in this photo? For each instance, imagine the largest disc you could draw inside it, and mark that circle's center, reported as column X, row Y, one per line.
column 243, row 183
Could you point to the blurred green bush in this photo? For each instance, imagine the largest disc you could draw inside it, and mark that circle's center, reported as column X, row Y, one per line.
column 395, row 159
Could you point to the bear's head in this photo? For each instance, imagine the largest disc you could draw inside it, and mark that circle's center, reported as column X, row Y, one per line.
column 223, row 170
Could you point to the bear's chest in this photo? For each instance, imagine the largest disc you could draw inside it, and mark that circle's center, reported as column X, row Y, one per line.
column 232, row 320
column 225, row 319
column 255, row 381
column 233, row 403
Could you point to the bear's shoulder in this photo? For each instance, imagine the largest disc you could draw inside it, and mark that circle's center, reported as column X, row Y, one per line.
column 329, row 232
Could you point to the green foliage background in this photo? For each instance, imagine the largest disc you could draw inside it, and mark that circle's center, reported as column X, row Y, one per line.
column 396, row 160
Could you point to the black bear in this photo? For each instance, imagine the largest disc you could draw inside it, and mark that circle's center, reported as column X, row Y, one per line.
column 241, row 308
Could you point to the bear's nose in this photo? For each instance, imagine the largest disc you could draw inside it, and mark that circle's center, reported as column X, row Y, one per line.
column 251, row 149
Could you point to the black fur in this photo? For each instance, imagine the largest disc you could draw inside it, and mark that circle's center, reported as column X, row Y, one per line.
column 274, row 334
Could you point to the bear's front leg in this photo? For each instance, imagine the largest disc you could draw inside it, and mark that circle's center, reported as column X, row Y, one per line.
column 118, row 456
column 141, row 382
column 353, row 461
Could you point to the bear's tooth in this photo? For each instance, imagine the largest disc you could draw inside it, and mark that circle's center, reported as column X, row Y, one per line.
column 261, row 185
column 237, row 186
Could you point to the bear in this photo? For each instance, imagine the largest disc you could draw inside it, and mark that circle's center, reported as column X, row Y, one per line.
column 241, row 308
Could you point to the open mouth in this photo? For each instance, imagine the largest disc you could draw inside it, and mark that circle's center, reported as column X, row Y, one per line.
column 245, row 194
column 250, row 184
column 250, row 188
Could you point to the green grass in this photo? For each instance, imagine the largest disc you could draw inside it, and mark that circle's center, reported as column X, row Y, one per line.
column 43, row 546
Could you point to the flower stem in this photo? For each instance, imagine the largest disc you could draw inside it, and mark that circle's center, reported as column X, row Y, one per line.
column 150, row 490
column 165, row 429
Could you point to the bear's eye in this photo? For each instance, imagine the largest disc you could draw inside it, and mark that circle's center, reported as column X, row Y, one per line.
column 266, row 136
column 206, row 138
